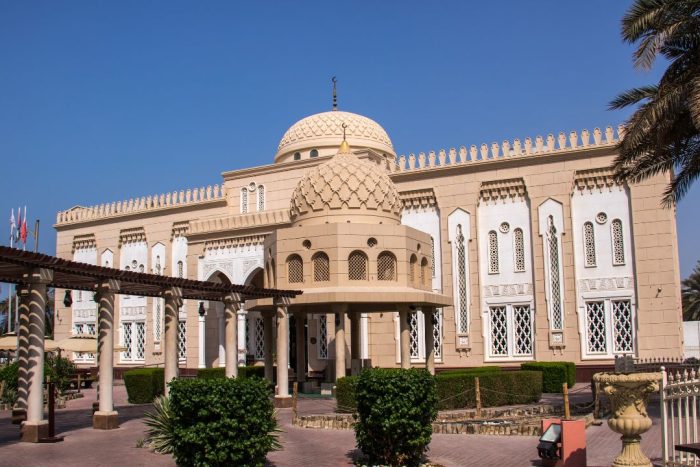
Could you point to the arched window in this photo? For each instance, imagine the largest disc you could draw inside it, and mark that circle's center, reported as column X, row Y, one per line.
column 493, row 252
column 180, row 269
column 244, row 200
column 357, row 266
column 295, row 269
column 589, row 244
column 261, row 198
column 617, row 242
column 432, row 259
column 297, row 156
column 386, row 266
column 554, row 275
column 314, row 153
column 322, row 271
column 519, row 247
column 425, row 272
column 413, row 264
column 462, row 282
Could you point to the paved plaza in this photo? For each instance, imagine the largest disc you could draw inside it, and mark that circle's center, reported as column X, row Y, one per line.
column 84, row 446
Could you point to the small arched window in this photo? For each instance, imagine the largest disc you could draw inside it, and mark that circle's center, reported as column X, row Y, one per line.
column 357, row 266
column 244, row 200
column 297, row 156
column 322, row 271
column 618, row 242
column 386, row 266
column 589, row 244
column 519, row 247
column 314, row 153
column 425, row 272
column 412, row 265
column 180, row 269
column 295, row 269
column 493, row 252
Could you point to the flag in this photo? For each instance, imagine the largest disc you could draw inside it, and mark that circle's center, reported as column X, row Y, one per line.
column 23, row 228
column 12, row 226
column 19, row 224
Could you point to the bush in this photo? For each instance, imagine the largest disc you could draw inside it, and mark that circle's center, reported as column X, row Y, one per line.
column 458, row 391
column 243, row 372
column 395, row 411
column 143, row 385
column 9, row 376
column 345, row 394
column 554, row 374
column 210, row 373
column 221, row 422
column 478, row 370
column 60, row 370
column 160, row 434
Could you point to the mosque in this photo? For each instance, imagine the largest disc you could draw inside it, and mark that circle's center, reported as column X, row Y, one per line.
column 494, row 254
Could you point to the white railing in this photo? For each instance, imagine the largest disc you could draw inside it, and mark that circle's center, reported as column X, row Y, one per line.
column 680, row 391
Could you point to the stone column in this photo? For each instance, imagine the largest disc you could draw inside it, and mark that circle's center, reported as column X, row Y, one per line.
column 221, row 327
column 340, row 311
column 106, row 417
column 202, row 343
column 355, row 336
column 173, row 302
column 242, row 350
column 428, row 320
column 267, row 331
column 35, row 427
column 231, row 305
column 301, row 347
column 282, row 398
column 405, row 338
column 19, row 411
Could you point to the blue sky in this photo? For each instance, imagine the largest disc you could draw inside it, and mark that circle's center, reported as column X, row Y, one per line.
column 102, row 101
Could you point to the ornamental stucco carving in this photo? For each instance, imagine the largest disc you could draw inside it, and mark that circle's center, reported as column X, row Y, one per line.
column 605, row 283
column 507, row 290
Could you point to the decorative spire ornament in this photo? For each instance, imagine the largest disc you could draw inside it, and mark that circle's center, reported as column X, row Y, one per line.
column 335, row 95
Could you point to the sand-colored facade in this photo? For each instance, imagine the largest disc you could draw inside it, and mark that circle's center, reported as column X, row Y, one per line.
column 539, row 253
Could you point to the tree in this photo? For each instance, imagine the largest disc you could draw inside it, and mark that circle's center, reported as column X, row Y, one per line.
column 690, row 293
column 663, row 133
column 49, row 314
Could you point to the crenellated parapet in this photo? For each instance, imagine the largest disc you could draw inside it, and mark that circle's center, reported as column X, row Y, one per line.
column 175, row 199
column 240, row 221
column 510, row 149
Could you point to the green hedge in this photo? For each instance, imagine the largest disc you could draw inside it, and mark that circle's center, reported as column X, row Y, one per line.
column 478, row 370
column 458, row 391
column 395, row 411
column 222, row 421
column 243, row 372
column 554, row 374
column 345, row 394
column 144, row 384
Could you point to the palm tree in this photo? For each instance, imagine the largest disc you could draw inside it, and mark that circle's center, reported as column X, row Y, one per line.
column 663, row 133
column 690, row 292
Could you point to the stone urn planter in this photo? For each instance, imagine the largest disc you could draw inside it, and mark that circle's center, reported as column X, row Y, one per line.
column 628, row 394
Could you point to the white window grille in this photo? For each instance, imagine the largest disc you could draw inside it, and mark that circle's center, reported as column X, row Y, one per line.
column 126, row 355
column 158, row 319
column 133, row 341
column 589, row 244
column 322, row 337
column 554, row 276
column 493, row 252
column 523, row 330
column 618, row 242
column 623, row 336
column 259, row 339
column 511, row 330
column 357, row 266
column 499, row 331
column 261, row 198
column 295, row 269
column 247, row 335
column 140, row 340
column 596, row 327
column 180, row 269
column 244, row 200
column 182, row 340
column 437, row 334
column 414, row 339
column 519, row 247
column 386, row 266
column 432, row 255
column 322, row 271
column 463, row 312
column 77, row 329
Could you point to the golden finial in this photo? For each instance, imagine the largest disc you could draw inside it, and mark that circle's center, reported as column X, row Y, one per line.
column 344, row 146
column 335, row 95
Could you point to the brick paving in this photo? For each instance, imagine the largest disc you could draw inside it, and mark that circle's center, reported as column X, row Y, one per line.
column 84, row 446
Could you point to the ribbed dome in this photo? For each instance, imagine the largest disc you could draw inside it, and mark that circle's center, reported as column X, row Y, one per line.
column 325, row 130
column 346, row 189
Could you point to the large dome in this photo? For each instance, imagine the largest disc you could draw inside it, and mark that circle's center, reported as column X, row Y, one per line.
column 324, row 131
column 346, row 189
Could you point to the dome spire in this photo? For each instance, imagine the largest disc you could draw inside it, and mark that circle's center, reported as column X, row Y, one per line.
column 335, row 95
column 344, row 146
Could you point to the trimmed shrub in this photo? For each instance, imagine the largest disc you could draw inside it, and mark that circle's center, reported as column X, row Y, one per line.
column 209, row 373
column 478, row 370
column 345, row 394
column 395, row 411
column 458, row 391
column 222, row 421
column 554, row 374
column 60, row 370
column 243, row 372
column 144, row 384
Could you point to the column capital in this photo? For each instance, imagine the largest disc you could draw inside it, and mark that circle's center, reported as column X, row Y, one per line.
column 108, row 286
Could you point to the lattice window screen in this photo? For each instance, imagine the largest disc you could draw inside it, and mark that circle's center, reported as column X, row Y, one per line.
column 91, row 330
column 322, row 271
column 522, row 321
column 519, row 247
column 126, row 327
column 295, row 269
column 589, row 244
column 180, row 269
column 182, row 340
column 499, row 331
column 554, row 276
column 432, row 255
column 259, row 339
column 386, row 266
column 323, row 337
column 248, row 350
column 493, row 252
column 462, row 282
column 140, row 341
column 414, row 340
column 596, row 327
column 618, row 242
column 261, row 198
column 623, row 337
column 244, row 200
column 437, row 333
column 357, row 266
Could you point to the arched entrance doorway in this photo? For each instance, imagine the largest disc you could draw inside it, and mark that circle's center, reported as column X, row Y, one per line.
column 214, row 327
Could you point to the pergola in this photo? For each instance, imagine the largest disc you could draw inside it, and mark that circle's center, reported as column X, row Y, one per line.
column 34, row 272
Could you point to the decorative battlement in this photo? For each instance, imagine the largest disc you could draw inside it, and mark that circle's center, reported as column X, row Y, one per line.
column 540, row 145
column 137, row 234
column 180, row 229
column 84, row 242
column 502, row 190
column 240, row 221
column 175, row 199
column 594, row 179
column 418, row 199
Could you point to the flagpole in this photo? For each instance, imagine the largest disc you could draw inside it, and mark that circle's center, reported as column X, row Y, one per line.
column 10, row 323
column 36, row 236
